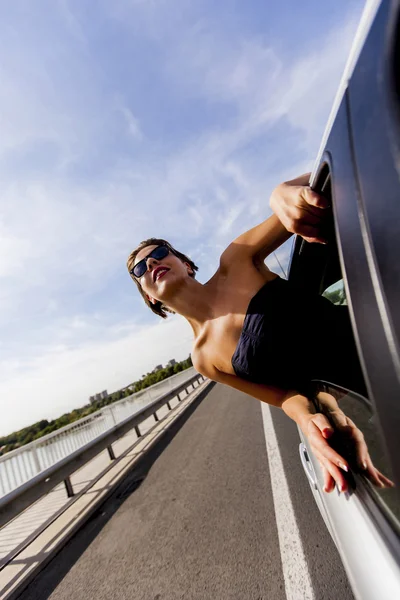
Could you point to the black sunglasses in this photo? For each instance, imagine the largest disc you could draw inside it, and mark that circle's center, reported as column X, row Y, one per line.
column 141, row 267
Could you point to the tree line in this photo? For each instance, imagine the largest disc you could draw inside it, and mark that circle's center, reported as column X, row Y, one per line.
column 33, row 432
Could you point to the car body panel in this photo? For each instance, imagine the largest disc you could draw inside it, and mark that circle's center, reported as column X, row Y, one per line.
column 368, row 556
column 380, row 372
column 361, row 150
column 375, row 127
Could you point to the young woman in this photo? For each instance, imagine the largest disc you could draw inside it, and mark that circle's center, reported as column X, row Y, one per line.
column 252, row 331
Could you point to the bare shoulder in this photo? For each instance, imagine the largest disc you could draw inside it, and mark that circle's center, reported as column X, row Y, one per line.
column 203, row 364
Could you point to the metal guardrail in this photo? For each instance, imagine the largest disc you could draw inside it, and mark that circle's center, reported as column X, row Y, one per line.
column 13, row 503
column 22, row 464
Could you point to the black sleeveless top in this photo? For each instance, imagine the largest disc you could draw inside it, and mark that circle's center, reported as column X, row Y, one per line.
column 290, row 337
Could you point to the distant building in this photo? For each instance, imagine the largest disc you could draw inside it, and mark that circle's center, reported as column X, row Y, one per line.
column 157, row 368
column 171, row 362
column 97, row 397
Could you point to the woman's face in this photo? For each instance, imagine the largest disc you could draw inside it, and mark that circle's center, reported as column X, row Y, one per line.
column 161, row 276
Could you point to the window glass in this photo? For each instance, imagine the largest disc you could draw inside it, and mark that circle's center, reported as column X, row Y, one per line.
column 345, row 369
column 360, row 411
column 336, row 293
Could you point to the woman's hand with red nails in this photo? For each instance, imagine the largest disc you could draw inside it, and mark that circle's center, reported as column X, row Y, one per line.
column 319, row 429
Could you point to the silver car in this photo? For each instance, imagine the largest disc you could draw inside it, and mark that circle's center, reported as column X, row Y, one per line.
column 358, row 168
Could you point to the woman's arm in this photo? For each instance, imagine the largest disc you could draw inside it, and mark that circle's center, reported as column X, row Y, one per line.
column 298, row 210
column 257, row 243
column 318, row 429
column 315, row 426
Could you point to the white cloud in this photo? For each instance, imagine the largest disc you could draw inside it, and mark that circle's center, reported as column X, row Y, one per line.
column 71, row 21
column 229, row 218
column 314, row 79
column 132, row 122
column 251, row 76
column 13, row 254
column 69, row 223
column 240, row 72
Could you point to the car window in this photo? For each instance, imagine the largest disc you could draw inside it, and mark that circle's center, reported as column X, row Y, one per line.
column 317, row 268
column 360, row 410
column 336, row 293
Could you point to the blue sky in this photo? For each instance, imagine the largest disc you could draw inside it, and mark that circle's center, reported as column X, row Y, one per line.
column 165, row 118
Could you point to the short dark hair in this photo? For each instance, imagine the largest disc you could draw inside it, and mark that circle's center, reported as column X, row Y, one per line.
column 158, row 308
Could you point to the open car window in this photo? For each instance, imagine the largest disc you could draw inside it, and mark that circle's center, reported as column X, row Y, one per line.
column 317, row 268
column 359, row 409
column 336, row 293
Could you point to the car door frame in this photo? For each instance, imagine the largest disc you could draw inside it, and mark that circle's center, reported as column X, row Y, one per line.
column 373, row 563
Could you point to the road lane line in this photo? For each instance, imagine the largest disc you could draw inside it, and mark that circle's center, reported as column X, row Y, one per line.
column 297, row 578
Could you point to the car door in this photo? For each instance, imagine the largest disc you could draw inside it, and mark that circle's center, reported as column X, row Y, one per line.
column 359, row 170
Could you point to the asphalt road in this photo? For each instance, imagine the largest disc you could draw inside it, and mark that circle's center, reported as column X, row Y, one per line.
column 196, row 519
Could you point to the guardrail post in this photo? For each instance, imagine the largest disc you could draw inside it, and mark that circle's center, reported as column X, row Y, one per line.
column 8, row 480
column 35, row 457
column 156, row 417
column 68, row 487
column 111, row 452
column 112, row 415
column 138, row 431
column 169, row 406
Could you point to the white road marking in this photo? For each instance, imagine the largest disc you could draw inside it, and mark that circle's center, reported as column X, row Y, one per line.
column 297, row 578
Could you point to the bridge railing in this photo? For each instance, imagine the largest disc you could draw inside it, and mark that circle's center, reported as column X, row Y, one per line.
column 107, row 426
column 21, row 464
